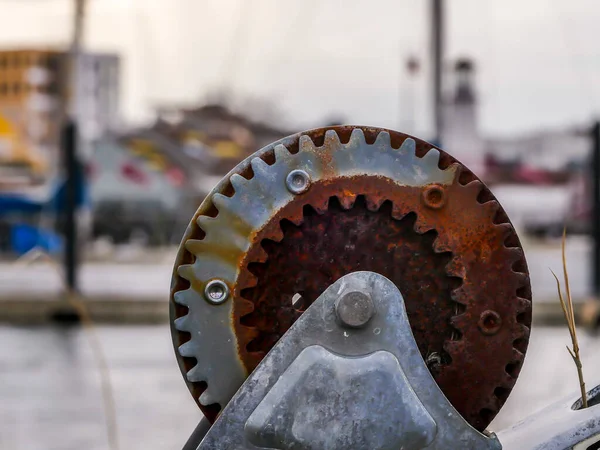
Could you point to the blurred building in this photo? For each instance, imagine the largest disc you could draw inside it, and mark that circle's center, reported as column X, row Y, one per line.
column 35, row 92
column 149, row 181
column 136, row 197
column 550, row 151
column 208, row 141
column 539, row 177
column 460, row 134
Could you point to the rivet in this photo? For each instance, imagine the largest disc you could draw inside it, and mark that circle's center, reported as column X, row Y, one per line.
column 434, row 196
column 297, row 181
column 489, row 322
column 216, row 292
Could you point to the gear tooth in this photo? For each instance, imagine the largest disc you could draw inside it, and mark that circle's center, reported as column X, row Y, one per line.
column 460, row 322
column 259, row 167
column 513, row 254
column 246, row 307
column 516, row 356
column 332, row 140
column 505, row 229
column 306, row 144
column 347, row 201
column 491, row 208
column 522, row 331
column 297, row 219
column 456, row 268
column 431, row 158
column 181, row 323
column 522, row 278
column 398, row 211
column 186, row 271
column 197, row 374
column 408, row 147
column 383, row 140
column 507, row 381
column 187, row 349
column 523, row 305
column 373, row 204
column 192, row 246
column 182, row 297
column 207, row 397
column 422, row 226
column 222, row 203
column 357, row 137
column 440, row 245
column 473, row 188
column 458, row 294
column 276, row 235
column 238, row 182
column 493, row 403
column 205, row 222
column 320, row 207
column 261, row 255
column 281, row 153
column 250, row 281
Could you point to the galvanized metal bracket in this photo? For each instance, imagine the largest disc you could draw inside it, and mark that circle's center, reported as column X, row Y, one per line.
column 342, row 378
column 561, row 426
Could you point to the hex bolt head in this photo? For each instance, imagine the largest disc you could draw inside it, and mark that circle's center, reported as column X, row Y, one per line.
column 354, row 309
column 216, row 292
column 297, row 181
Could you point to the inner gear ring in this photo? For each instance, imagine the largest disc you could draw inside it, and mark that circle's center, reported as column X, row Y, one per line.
column 464, row 247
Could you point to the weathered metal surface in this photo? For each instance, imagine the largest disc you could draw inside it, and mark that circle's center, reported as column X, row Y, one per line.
column 561, row 426
column 379, row 201
column 315, row 404
column 305, row 394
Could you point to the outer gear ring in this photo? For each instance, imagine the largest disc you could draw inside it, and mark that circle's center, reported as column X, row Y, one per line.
column 252, row 207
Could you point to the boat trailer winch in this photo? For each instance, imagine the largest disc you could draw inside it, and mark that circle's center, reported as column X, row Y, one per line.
column 357, row 288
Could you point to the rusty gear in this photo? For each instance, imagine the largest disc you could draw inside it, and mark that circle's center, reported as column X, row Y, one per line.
column 379, row 201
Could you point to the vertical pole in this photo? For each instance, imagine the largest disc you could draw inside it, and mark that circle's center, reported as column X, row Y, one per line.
column 69, row 145
column 595, row 219
column 72, row 186
column 437, row 50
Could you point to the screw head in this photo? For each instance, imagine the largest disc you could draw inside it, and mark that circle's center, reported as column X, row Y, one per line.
column 434, row 196
column 354, row 309
column 297, row 181
column 489, row 322
column 216, row 292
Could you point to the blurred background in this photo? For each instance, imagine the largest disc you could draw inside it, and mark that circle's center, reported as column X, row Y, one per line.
column 117, row 117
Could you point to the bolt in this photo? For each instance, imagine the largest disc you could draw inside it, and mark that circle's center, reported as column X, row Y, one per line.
column 489, row 322
column 354, row 309
column 216, row 292
column 434, row 196
column 297, row 181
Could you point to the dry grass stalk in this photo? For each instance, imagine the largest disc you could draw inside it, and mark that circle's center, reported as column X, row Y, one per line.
column 567, row 307
column 79, row 306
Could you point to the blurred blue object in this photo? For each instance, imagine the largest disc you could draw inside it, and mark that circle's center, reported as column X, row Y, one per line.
column 49, row 200
column 26, row 237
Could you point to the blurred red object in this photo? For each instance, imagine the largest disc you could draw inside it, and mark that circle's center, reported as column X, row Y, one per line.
column 533, row 176
column 91, row 170
column 176, row 176
column 133, row 173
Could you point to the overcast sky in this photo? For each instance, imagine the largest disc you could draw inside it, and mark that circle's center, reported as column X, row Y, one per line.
column 538, row 61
